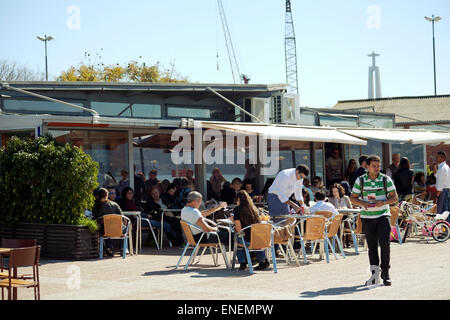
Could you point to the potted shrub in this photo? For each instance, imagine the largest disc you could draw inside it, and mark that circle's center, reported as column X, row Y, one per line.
column 45, row 190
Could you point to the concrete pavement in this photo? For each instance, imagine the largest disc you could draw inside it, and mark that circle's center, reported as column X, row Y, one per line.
column 419, row 270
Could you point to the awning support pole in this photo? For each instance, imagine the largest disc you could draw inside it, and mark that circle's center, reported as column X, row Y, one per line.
column 95, row 115
column 234, row 104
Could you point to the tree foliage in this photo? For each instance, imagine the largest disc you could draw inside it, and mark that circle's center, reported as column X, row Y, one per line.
column 12, row 71
column 92, row 69
column 41, row 182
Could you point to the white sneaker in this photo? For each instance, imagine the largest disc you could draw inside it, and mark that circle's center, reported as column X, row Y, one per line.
column 375, row 277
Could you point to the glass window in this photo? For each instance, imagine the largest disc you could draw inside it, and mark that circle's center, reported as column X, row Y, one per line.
column 378, row 122
column 181, row 112
column 146, row 110
column 108, row 148
column 318, row 160
column 338, row 121
column 414, row 153
column 40, row 106
column 285, row 159
column 307, row 118
column 351, row 152
column 373, row 147
column 111, row 108
column 303, row 157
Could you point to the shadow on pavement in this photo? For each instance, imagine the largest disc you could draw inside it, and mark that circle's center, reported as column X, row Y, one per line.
column 334, row 291
column 199, row 271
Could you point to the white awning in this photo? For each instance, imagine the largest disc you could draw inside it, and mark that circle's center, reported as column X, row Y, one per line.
column 285, row 132
column 400, row 135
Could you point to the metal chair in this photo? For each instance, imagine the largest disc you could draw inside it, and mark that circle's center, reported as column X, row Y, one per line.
column 261, row 238
column 22, row 257
column 186, row 226
column 151, row 230
column 113, row 225
column 315, row 232
column 287, row 230
column 352, row 230
column 332, row 230
column 394, row 222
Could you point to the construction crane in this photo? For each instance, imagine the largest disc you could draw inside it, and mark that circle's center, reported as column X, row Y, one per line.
column 290, row 51
column 229, row 44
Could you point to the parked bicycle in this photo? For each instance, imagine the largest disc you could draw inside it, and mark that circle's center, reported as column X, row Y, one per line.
column 417, row 218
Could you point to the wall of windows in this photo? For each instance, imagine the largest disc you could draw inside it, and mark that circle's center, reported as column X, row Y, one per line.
column 108, row 148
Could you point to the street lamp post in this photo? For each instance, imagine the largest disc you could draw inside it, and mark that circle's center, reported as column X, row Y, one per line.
column 433, row 19
column 45, row 39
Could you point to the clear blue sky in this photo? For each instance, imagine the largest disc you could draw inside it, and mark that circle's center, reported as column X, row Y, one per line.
column 333, row 40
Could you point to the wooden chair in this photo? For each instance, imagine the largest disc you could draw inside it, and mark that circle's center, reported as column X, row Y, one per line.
column 261, row 238
column 394, row 222
column 332, row 231
column 22, row 257
column 113, row 229
column 186, row 226
column 15, row 243
column 284, row 233
column 324, row 213
column 315, row 232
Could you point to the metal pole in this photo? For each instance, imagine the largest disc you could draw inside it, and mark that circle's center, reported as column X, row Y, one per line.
column 46, row 66
column 434, row 58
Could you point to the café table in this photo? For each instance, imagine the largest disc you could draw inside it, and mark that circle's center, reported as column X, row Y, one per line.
column 351, row 213
column 229, row 228
column 301, row 218
column 136, row 214
column 6, row 252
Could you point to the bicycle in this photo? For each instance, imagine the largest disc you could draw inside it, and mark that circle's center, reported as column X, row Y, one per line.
column 429, row 224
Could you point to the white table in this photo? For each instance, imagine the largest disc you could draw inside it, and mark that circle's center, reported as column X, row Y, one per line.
column 136, row 214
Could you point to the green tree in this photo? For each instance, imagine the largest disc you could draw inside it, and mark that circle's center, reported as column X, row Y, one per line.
column 92, row 69
column 41, row 182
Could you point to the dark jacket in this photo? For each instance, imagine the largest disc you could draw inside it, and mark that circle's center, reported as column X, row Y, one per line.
column 403, row 181
column 228, row 194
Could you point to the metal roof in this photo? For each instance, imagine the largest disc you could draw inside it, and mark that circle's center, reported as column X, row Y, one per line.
column 407, row 110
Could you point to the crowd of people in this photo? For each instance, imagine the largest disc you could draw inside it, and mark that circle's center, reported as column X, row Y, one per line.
column 289, row 192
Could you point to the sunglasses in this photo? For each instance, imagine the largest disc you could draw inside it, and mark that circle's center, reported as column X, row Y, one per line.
column 112, row 192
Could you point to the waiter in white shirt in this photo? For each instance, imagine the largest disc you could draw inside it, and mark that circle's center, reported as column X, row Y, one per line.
column 442, row 182
column 286, row 183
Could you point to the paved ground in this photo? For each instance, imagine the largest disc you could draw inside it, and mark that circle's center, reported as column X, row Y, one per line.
column 419, row 271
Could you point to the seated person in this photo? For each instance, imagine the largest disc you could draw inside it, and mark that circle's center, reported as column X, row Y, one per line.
column 250, row 188
column 181, row 194
column 153, row 210
column 103, row 206
column 128, row 203
column 338, row 197
column 246, row 214
column 192, row 215
column 168, row 197
column 229, row 191
column 321, row 205
column 317, row 185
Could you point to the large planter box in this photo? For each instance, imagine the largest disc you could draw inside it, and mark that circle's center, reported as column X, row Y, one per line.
column 57, row 241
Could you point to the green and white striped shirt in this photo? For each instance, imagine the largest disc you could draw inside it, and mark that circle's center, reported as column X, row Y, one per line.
column 374, row 189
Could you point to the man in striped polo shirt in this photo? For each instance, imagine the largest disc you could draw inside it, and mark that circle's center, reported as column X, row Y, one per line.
column 374, row 192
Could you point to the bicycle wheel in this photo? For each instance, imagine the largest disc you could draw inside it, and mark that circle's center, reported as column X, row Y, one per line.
column 440, row 231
